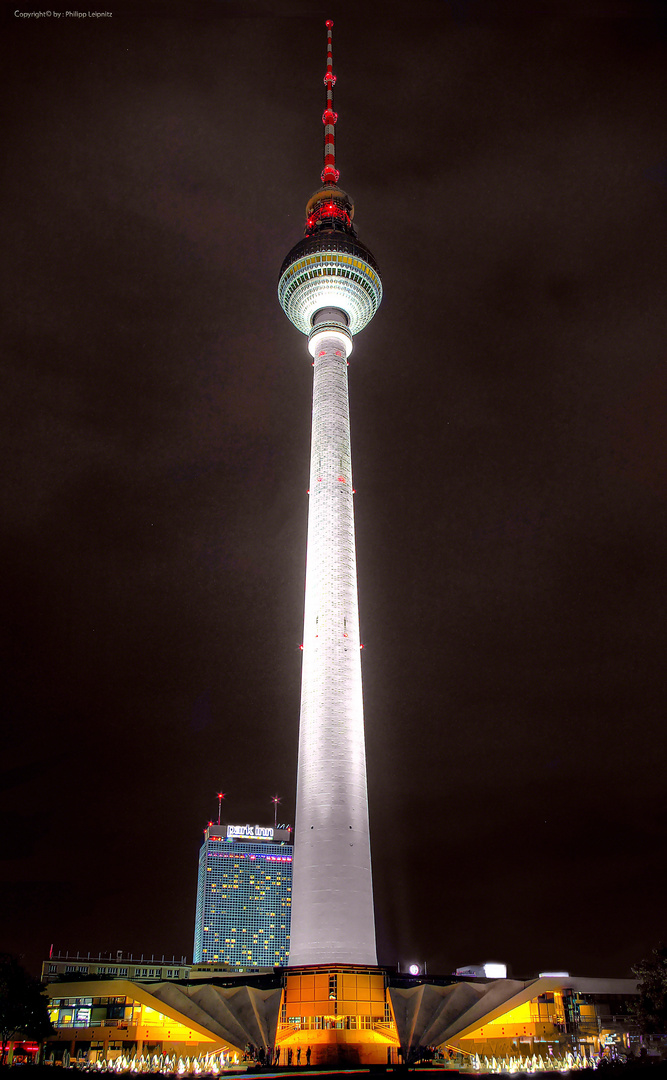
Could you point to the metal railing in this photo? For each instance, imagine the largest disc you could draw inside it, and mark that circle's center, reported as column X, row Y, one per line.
column 94, row 1023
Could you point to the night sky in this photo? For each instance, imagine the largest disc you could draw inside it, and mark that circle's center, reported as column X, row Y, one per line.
column 508, row 163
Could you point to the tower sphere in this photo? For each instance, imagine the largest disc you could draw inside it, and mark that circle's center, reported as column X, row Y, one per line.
column 330, row 269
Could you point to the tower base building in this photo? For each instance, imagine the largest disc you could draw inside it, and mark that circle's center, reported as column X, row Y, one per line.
column 346, row 1016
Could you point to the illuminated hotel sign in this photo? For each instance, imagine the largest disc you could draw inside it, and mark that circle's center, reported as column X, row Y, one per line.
column 249, row 832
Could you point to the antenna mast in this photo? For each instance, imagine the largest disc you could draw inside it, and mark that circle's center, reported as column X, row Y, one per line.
column 330, row 173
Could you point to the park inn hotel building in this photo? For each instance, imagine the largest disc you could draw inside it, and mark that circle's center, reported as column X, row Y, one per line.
column 244, row 896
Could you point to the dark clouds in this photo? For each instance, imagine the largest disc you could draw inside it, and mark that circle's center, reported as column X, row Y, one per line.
column 508, row 407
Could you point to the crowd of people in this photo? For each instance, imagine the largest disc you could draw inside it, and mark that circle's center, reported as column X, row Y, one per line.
column 272, row 1055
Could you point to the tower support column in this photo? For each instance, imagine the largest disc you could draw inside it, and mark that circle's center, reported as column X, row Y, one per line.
column 332, row 898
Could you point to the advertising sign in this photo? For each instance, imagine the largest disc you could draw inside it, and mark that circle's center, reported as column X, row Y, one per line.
column 249, row 832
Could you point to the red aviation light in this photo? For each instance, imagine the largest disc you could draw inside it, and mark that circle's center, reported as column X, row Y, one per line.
column 325, row 211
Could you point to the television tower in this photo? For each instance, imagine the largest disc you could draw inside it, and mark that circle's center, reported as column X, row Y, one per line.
column 330, row 289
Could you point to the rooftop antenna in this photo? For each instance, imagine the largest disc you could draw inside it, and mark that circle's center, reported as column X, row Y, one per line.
column 221, row 796
column 330, row 173
column 275, row 800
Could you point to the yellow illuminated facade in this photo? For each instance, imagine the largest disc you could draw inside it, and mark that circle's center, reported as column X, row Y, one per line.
column 553, row 1023
column 529, row 1028
column 342, row 1013
column 106, row 1019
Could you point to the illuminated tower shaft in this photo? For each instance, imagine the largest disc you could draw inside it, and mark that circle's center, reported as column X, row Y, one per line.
column 332, row 899
column 330, row 289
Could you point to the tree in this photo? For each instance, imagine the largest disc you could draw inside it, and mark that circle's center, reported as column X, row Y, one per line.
column 650, row 1008
column 23, row 1006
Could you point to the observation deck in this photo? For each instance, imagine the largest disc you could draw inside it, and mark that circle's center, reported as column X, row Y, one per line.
column 329, row 267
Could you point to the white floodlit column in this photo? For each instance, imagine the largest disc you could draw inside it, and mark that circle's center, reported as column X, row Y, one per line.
column 332, row 898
